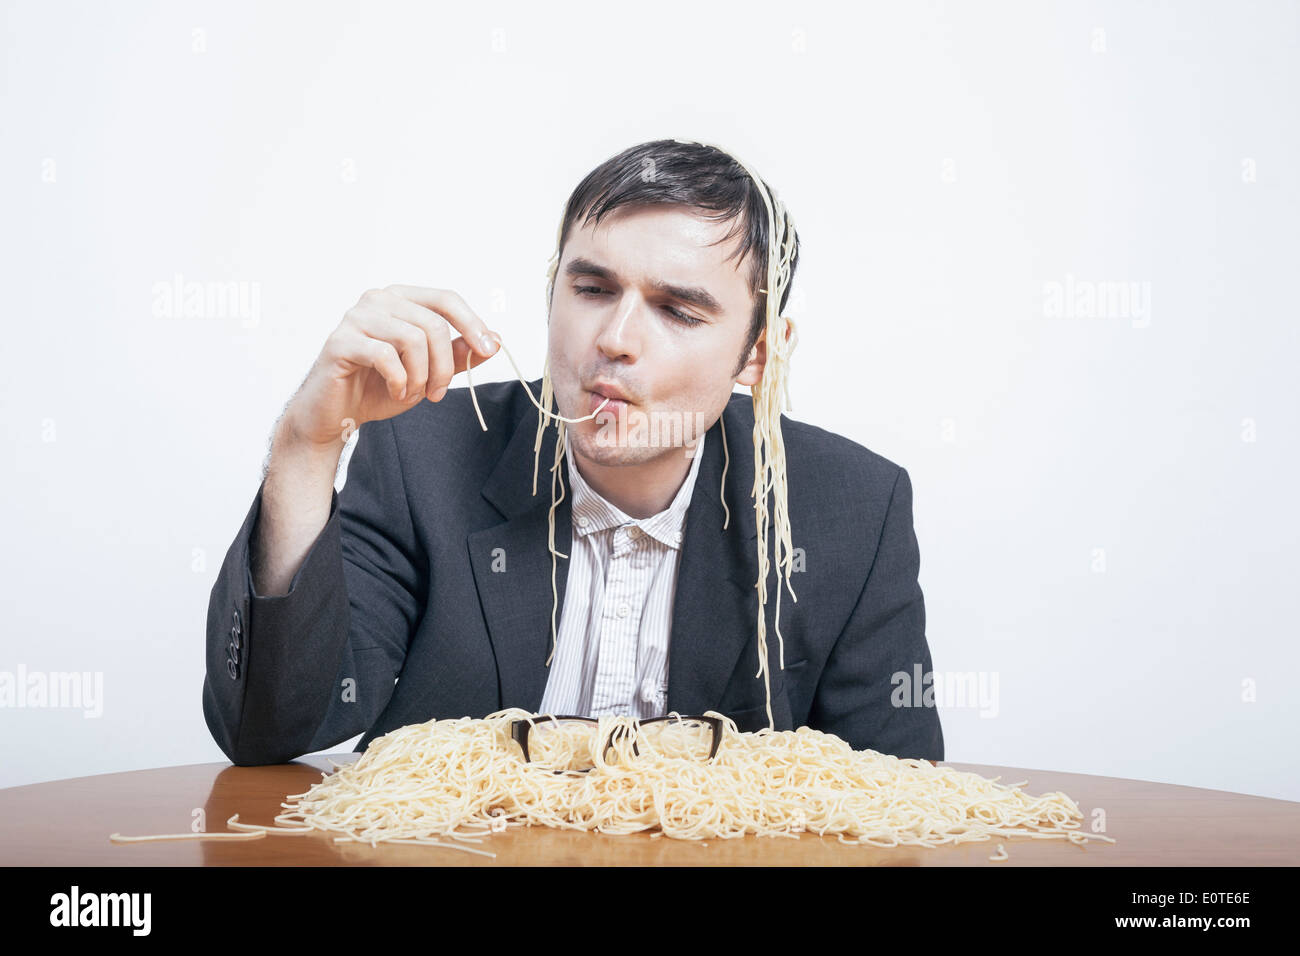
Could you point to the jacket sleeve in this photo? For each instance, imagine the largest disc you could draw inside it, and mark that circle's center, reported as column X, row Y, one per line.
column 865, row 695
column 299, row 672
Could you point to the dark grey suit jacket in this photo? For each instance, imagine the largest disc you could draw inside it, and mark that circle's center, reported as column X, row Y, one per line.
column 397, row 615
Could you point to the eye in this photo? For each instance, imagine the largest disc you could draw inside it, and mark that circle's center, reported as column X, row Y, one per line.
column 591, row 291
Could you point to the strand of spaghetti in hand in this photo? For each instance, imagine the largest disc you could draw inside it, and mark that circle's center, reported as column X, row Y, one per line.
column 470, row 381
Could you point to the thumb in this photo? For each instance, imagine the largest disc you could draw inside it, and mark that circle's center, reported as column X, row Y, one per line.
column 460, row 350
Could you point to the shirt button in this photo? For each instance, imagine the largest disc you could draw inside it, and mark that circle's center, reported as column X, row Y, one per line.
column 583, row 521
column 633, row 532
column 649, row 691
column 677, row 536
column 624, row 610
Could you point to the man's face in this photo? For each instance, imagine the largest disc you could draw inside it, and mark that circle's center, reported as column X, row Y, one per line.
column 645, row 304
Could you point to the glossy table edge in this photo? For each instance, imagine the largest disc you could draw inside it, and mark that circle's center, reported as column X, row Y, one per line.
column 990, row 771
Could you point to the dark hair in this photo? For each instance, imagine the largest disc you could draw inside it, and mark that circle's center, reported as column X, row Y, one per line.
column 666, row 172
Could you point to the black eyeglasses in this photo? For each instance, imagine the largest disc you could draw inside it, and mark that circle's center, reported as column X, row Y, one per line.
column 550, row 740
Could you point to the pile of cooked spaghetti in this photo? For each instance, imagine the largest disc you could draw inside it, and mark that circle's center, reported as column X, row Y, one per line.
column 461, row 780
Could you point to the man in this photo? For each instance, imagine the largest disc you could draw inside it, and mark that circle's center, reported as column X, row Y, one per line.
column 429, row 588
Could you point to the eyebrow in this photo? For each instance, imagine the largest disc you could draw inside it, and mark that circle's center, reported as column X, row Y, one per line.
column 697, row 296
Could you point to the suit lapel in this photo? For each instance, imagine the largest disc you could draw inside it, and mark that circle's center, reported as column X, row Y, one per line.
column 716, row 603
column 517, row 596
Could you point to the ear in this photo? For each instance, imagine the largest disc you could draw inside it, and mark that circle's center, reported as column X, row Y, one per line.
column 752, row 373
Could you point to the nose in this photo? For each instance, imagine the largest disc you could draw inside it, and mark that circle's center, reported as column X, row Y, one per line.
column 620, row 334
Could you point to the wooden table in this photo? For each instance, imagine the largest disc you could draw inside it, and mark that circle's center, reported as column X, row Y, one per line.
column 68, row 822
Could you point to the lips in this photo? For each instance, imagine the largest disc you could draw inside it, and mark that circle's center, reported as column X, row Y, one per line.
column 612, row 392
column 604, row 395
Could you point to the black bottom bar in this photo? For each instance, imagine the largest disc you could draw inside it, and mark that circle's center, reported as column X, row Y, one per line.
column 495, row 907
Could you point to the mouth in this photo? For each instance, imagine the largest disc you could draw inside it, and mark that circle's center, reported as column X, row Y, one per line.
column 618, row 400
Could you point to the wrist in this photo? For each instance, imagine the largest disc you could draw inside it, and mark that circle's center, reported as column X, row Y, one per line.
column 300, row 443
column 292, row 451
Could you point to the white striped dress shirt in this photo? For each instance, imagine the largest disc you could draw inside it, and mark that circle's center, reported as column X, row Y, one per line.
column 611, row 652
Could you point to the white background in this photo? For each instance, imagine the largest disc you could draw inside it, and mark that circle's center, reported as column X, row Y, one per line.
column 943, row 163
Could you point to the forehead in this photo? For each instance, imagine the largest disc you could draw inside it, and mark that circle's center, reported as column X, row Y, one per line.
column 670, row 243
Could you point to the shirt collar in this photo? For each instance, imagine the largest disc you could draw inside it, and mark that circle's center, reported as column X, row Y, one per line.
column 591, row 512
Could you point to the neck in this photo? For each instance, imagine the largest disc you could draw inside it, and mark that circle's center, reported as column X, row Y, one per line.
column 639, row 490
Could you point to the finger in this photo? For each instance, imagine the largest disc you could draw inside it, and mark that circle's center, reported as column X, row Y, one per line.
column 455, row 310
column 411, row 342
column 444, row 352
column 441, row 363
column 446, row 357
column 460, row 351
column 361, row 350
column 437, row 338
